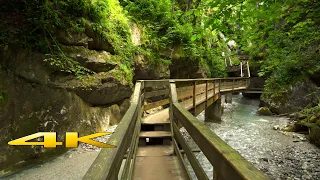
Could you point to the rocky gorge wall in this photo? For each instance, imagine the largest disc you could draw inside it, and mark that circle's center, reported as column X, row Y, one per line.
column 299, row 96
column 40, row 95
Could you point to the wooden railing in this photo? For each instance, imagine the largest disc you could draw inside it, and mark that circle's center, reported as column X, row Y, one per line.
column 108, row 163
column 182, row 96
column 227, row 163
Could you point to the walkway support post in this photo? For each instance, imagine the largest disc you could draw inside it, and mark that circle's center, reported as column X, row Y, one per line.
column 214, row 111
column 228, row 98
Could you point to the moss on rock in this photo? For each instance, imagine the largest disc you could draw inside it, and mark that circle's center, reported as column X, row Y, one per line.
column 265, row 111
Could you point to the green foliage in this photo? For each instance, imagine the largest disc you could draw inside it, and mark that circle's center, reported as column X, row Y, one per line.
column 281, row 37
column 36, row 22
column 174, row 33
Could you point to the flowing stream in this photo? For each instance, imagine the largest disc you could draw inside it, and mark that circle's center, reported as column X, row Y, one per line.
column 279, row 155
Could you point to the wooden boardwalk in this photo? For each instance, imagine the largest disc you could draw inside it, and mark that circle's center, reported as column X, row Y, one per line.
column 152, row 147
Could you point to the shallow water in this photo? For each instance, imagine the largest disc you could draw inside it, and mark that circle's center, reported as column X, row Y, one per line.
column 280, row 156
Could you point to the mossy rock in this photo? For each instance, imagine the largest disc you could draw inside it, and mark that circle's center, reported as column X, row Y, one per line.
column 294, row 128
column 315, row 135
column 313, row 119
column 265, row 111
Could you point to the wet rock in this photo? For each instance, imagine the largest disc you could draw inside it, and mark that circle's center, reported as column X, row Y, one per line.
column 276, row 127
column 265, row 111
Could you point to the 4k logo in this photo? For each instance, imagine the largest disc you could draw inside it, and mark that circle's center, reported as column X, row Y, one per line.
column 50, row 140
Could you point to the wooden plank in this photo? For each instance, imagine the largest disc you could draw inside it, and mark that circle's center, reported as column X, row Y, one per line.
column 187, row 104
column 201, row 175
column 135, row 147
column 156, row 104
column 156, row 93
column 173, row 99
column 155, row 134
column 173, row 92
column 158, row 168
column 227, row 161
column 201, row 88
column 184, row 94
column 180, row 84
column 155, row 150
column 184, row 88
column 126, row 169
column 155, row 83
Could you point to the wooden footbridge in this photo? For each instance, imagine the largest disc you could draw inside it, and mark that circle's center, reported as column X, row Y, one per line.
column 150, row 146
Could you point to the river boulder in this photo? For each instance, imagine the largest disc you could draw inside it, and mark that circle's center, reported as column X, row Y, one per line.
column 265, row 111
